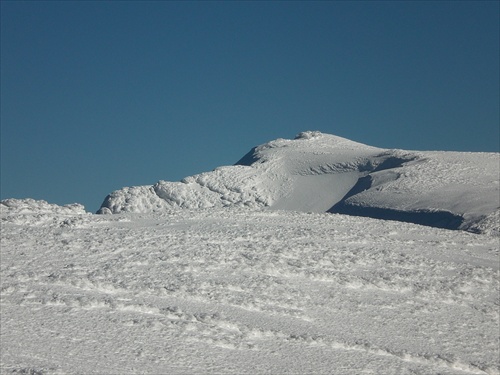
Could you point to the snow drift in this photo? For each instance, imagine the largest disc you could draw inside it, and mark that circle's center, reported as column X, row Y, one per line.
column 31, row 207
column 39, row 212
column 318, row 172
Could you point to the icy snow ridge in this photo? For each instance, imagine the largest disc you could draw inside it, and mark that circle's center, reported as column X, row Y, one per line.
column 318, row 172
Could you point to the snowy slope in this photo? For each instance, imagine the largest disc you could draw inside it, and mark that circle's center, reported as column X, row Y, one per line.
column 243, row 291
column 318, row 172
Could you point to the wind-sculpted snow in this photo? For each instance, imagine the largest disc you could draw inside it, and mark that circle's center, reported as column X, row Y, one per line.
column 278, row 168
column 243, row 291
column 461, row 186
column 38, row 212
column 318, row 172
column 32, row 206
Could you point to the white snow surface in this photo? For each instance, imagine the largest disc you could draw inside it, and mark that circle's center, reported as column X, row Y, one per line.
column 318, row 172
column 254, row 269
column 240, row 290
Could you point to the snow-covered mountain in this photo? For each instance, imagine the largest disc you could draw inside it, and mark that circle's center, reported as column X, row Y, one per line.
column 318, row 172
column 248, row 279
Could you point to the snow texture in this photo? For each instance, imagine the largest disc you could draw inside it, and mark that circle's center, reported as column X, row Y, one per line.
column 318, row 172
column 256, row 269
column 242, row 291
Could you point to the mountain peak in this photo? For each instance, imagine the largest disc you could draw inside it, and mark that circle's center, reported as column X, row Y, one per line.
column 309, row 134
column 326, row 173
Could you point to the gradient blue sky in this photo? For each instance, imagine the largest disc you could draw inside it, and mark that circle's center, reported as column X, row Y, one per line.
column 100, row 95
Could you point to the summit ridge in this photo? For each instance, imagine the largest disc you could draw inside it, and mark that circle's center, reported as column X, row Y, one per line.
column 318, row 172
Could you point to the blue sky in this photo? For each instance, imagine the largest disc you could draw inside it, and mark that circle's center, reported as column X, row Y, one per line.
column 96, row 96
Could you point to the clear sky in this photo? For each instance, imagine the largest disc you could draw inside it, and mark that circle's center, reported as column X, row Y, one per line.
column 96, row 95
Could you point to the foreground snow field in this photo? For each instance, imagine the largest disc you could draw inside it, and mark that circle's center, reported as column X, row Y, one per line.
column 242, row 291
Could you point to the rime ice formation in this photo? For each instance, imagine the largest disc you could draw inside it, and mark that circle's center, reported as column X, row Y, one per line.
column 318, row 172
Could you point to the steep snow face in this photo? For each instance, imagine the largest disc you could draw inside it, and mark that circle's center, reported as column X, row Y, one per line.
column 318, row 172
